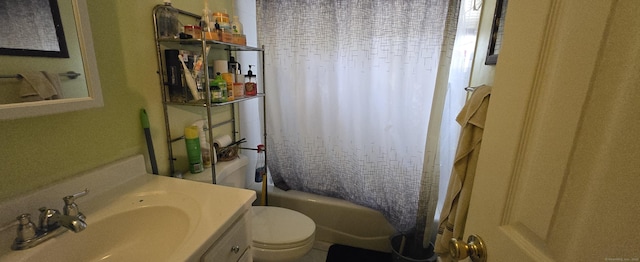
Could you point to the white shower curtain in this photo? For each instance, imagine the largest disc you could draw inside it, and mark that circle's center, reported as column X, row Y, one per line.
column 456, row 62
column 350, row 86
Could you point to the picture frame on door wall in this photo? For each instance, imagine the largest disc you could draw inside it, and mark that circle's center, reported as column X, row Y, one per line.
column 497, row 31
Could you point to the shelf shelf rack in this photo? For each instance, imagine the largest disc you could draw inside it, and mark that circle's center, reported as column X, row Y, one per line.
column 162, row 44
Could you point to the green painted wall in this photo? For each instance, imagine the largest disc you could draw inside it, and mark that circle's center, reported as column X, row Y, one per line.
column 41, row 150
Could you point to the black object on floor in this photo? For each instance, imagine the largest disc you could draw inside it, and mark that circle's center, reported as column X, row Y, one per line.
column 342, row 253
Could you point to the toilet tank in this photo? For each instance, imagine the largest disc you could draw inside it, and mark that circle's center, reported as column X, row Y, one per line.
column 228, row 173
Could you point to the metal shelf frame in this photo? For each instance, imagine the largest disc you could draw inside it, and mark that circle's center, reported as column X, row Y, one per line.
column 162, row 44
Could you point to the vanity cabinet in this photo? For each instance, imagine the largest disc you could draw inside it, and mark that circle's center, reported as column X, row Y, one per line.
column 234, row 245
column 173, row 77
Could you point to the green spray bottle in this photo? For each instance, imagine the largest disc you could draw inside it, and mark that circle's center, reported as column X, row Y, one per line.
column 192, row 140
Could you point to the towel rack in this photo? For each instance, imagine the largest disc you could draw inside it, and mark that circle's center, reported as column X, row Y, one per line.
column 471, row 88
column 69, row 74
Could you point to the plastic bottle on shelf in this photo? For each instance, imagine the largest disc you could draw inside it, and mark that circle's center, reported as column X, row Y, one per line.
column 204, row 146
column 218, row 89
column 233, row 65
column 250, row 86
column 238, row 85
column 236, row 26
column 261, row 167
column 222, row 18
column 167, row 19
column 228, row 78
column 230, row 94
column 238, row 78
column 205, row 21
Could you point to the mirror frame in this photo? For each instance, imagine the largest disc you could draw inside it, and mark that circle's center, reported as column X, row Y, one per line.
column 49, row 107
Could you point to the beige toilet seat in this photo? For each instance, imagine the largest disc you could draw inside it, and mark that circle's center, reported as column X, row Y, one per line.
column 280, row 228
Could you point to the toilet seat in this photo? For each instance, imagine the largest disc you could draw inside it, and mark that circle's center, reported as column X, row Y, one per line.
column 277, row 228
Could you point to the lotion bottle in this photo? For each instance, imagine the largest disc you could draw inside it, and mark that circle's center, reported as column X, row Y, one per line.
column 250, row 86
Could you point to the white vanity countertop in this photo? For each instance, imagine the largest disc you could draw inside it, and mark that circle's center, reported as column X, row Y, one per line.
column 125, row 186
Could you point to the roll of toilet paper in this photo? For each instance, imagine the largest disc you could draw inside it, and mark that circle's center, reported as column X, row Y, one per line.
column 220, row 66
column 222, row 141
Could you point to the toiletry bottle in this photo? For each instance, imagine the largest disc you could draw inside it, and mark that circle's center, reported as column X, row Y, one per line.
column 230, row 94
column 261, row 167
column 228, row 78
column 218, row 31
column 234, row 67
column 204, row 147
column 167, row 19
column 216, row 93
column 236, row 26
column 238, row 85
column 250, row 86
column 218, row 89
column 194, row 154
column 238, row 78
column 205, row 21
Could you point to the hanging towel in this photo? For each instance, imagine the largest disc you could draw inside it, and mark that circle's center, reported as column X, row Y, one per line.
column 456, row 204
column 36, row 86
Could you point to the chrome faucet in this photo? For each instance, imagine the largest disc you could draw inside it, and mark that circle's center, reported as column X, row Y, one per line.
column 52, row 223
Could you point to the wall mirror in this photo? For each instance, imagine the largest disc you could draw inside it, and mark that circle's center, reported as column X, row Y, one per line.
column 497, row 30
column 75, row 77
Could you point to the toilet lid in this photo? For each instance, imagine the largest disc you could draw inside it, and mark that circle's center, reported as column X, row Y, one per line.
column 276, row 227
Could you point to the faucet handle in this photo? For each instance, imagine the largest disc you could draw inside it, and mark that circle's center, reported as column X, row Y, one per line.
column 70, row 206
column 71, row 198
column 48, row 218
column 26, row 228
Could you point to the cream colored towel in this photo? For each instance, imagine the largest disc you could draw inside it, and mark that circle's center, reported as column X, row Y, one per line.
column 36, row 86
column 456, row 204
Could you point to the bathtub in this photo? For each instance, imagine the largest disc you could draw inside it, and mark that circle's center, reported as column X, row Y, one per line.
column 337, row 221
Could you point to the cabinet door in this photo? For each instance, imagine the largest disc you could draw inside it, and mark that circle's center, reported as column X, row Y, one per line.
column 233, row 244
column 247, row 257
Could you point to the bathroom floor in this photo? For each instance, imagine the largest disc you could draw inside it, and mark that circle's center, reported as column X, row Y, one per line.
column 317, row 254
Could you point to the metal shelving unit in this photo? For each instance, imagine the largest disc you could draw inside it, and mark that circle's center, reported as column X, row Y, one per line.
column 203, row 45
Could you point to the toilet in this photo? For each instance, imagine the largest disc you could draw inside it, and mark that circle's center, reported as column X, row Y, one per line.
column 279, row 234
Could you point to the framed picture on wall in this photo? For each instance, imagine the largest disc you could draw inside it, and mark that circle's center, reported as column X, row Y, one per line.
column 497, row 30
column 31, row 28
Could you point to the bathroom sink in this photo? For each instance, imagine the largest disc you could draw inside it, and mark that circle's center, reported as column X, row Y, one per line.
column 148, row 224
column 152, row 230
column 148, row 218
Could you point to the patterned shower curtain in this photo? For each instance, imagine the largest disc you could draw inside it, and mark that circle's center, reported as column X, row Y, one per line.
column 350, row 89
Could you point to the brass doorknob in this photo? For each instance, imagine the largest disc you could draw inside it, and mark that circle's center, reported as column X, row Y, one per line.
column 474, row 249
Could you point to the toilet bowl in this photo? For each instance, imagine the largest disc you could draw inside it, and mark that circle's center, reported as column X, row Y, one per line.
column 279, row 234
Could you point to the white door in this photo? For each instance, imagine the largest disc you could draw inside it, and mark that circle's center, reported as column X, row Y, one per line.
column 558, row 177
